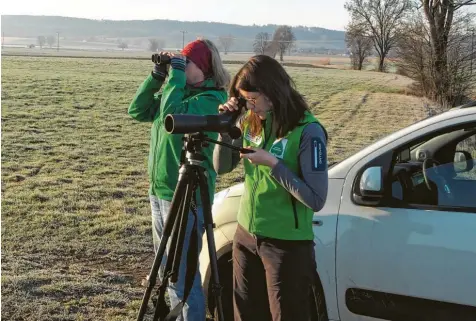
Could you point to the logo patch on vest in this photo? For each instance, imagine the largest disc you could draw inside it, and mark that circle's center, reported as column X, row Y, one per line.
column 254, row 139
column 278, row 148
column 319, row 157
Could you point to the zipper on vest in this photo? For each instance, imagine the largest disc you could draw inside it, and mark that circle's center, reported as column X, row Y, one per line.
column 154, row 160
column 296, row 223
column 267, row 137
column 255, row 185
column 253, row 190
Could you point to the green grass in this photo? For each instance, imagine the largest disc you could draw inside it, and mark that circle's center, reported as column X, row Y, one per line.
column 76, row 235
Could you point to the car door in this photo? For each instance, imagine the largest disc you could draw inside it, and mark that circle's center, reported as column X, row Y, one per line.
column 399, row 261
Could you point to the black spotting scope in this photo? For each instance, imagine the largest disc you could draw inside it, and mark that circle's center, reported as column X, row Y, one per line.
column 224, row 122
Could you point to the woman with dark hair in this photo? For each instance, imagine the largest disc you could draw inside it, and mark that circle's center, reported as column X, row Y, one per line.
column 285, row 183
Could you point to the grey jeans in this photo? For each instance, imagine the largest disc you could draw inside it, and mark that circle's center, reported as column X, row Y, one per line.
column 194, row 309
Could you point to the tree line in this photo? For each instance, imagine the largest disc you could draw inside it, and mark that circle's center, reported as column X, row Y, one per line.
column 431, row 41
column 282, row 40
column 42, row 41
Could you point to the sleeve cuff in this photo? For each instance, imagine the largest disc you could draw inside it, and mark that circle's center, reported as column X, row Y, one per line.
column 152, row 83
column 178, row 63
column 160, row 76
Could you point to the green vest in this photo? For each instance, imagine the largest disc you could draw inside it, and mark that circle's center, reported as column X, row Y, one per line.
column 267, row 208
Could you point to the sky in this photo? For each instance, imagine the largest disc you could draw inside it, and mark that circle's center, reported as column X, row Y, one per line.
column 328, row 14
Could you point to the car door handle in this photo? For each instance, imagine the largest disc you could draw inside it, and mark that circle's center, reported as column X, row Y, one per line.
column 317, row 223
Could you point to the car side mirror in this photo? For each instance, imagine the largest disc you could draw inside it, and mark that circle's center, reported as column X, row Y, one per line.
column 463, row 162
column 370, row 188
column 371, row 182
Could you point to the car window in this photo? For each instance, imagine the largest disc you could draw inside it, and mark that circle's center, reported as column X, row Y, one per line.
column 453, row 190
column 442, row 182
column 467, row 145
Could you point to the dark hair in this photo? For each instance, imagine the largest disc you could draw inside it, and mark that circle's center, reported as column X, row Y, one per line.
column 265, row 75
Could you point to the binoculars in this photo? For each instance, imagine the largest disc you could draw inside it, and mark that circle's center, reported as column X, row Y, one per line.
column 160, row 59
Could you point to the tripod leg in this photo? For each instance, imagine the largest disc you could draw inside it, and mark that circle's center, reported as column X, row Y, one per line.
column 172, row 248
column 178, row 243
column 162, row 309
column 169, row 224
column 207, row 214
column 176, row 272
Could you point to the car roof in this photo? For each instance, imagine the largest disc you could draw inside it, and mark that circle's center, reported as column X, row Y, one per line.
column 341, row 169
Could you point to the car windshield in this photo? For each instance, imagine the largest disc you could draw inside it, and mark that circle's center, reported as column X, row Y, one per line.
column 412, row 148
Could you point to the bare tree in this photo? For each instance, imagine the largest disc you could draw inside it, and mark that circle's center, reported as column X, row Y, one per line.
column 226, row 42
column 50, row 40
column 461, row 57
column 156, row 44
column 283, row 38
column 440, row 18
column 414, row 53
column 41, row 41
column 449, row 86
column 359, row 44
column 380, row 19
column 123, row 45
column 272, row 49
column 261, row 43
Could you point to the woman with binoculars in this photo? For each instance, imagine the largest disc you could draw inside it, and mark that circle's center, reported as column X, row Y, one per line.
column 196, row 84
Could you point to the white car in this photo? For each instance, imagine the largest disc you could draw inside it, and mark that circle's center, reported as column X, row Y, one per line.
column 396, row 239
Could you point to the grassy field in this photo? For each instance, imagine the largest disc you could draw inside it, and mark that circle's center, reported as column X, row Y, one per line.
column 76, row 236
column 328, row 61
column 135, row 53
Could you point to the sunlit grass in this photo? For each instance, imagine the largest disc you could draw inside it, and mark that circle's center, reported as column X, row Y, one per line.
column 76, row 236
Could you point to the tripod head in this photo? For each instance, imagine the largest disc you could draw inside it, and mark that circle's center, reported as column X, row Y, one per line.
column 192, row 148
column 193, row 144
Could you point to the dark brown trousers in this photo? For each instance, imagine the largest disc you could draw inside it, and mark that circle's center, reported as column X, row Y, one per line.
column 271, row 278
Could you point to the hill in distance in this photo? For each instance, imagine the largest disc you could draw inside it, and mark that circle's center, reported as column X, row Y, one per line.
column 137, row 32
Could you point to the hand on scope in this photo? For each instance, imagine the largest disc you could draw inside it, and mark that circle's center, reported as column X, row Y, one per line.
column 230, row 105
column 260, row 157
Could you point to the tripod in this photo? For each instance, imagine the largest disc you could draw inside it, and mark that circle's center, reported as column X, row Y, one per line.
column 192, row 175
